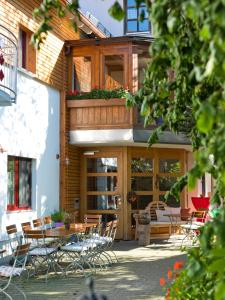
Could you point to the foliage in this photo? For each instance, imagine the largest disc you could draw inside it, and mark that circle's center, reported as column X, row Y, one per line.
column 58, row 216
column 97, row 94
column 184, row 84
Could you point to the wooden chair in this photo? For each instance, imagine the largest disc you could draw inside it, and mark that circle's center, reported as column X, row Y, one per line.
column 95, row 219
column 19, row 266
column 37, row 223
column 47, row 220
column 26, row 226
column 15, row 238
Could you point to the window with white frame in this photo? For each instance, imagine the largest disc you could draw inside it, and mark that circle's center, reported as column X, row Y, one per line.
column 133, row 13
column 19, row 183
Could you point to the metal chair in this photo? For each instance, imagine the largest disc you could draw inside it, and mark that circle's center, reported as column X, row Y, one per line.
column 19, row 266
column 15, row 238
column 37, row 223
column 48, row 223
column 43, row 257
column 191, row 229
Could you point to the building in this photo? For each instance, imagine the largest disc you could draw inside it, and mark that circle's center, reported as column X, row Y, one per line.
column 86, row 155
column 107, row 142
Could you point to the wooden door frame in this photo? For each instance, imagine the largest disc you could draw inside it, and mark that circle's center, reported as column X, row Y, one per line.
column 155, row 154
column 104, row 152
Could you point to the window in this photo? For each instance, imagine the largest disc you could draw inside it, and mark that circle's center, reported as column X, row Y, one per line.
column 133, row 24
column 27, row 53
column 19, row 183
column 113, row 71
column 82, row 74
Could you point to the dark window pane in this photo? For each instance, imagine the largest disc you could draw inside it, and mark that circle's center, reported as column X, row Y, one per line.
column 172, row 202
column 99, row 202
column 169, row 166
column 142, row 201
column 144, row 25
column 102, row 183
column 131, row 26
column 165, row 183
column 141, row 165
column 114, row 71
column 132, row 13
column 141, row 183
column 102, row 165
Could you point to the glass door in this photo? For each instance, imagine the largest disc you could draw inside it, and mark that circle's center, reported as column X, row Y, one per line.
column 151, row 173
column 102, row 187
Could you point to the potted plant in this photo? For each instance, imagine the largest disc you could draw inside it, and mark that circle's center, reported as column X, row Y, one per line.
column 97, row 94
column 68, row 219
column 58, row 218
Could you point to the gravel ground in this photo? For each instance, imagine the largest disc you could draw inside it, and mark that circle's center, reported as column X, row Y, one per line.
column 136, row 276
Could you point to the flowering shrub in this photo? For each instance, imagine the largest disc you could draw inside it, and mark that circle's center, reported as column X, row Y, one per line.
column 172, row 274
column 97, row 94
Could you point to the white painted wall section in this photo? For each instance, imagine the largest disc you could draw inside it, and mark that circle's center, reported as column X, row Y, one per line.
column 30, row 128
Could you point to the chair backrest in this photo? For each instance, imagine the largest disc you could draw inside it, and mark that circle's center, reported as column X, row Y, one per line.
column 97, row 219
column 199, row 216
column 107, row 228
column 26, row 225
column 114, row 229
column 47, row 220
column 34, row 234
column 14, row 238
column 152, row 206
column 37, row 223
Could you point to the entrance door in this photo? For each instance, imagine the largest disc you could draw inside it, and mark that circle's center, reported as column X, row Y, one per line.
column 151, row 174
column 101, row 186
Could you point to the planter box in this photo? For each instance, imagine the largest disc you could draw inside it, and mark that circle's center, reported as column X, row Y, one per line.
column 99, row 114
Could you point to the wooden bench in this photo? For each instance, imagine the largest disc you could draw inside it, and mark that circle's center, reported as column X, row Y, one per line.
column 158, row 230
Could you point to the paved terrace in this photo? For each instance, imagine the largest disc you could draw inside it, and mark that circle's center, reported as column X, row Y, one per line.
column 136, row 276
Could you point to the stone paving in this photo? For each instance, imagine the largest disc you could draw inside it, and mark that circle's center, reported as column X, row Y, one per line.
column 136, row 276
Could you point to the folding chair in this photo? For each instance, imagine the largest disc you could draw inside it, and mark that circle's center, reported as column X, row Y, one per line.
column 48, row 223
column 43, row 258
column 37, row 223
column 95, row 219
column 192, row 228
column 19, row 266
column 15, row 239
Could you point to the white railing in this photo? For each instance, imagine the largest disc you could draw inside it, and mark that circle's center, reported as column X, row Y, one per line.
column 8, row 66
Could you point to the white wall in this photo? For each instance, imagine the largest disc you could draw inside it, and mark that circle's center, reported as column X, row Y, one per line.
column 197, row 191
column 30, row 128
column 99, row 8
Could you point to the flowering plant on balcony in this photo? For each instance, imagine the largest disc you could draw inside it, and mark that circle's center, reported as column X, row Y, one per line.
column 97, row 94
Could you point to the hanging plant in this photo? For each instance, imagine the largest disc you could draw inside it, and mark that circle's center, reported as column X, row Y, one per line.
column 131, row 197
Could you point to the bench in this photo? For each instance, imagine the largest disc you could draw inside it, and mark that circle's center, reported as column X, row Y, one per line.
column 158, row 230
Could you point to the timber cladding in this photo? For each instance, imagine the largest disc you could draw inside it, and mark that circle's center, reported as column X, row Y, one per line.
column 50, row 59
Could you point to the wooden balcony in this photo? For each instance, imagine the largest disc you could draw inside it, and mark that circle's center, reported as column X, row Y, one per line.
column 99, row 114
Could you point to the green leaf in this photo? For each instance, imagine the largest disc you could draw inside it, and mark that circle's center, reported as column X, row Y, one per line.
column 116, row 11
column 205, row 32
column 205, row 118
column 192, row 179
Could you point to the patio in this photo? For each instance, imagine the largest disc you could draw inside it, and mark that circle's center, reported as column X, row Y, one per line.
column 136, row 276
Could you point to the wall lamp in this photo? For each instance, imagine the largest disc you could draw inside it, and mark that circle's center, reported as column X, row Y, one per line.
column 90, row 152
